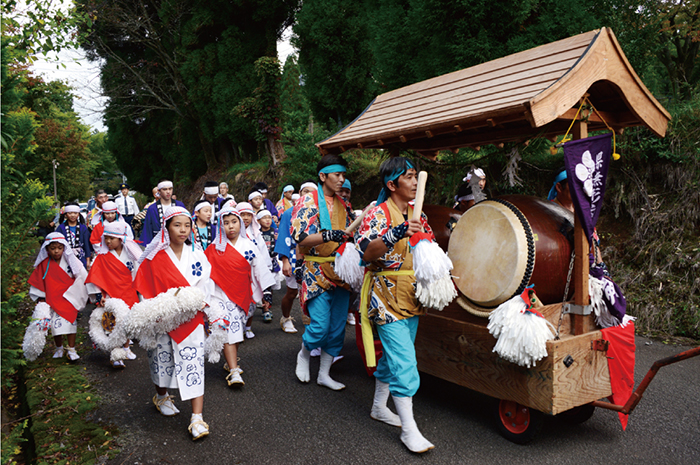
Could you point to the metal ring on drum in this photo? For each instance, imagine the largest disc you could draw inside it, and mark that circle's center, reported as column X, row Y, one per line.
column 499, row 246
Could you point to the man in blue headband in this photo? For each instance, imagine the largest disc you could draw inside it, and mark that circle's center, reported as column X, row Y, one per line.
column 559, row 193
column 389, row 297
column 319, row 221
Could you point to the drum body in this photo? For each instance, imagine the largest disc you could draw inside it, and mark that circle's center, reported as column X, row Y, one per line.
column 442, row 220
column 500, row 246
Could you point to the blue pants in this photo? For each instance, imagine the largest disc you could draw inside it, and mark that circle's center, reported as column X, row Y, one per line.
column 328, row 312
column 398, row 366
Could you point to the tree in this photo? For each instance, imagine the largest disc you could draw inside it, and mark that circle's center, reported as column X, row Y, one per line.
column 335, row 58
column 173, row 71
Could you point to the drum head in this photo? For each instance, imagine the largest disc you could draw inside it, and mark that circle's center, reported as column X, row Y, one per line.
column 492, row 251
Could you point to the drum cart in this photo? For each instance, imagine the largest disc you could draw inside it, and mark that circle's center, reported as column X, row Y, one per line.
column 584, row 82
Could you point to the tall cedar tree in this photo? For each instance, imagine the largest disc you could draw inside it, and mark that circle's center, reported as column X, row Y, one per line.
column 172, row 72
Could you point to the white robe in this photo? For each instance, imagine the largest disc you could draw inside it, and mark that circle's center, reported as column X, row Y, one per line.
column 181, row 365
column 260, row 275
column 59, row 325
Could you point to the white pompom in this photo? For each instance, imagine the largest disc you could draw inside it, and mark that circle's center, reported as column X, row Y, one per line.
column 35, row 334
column 117, row 338
column 437, row 294
column 522, row 335
column 430, row 262
column 218, row 325
column 161, row 314
column 347, row 267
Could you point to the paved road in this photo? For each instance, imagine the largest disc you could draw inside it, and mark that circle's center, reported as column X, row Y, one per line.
column 276, row 419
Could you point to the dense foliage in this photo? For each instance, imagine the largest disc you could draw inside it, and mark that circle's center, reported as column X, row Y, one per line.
column 173, row 71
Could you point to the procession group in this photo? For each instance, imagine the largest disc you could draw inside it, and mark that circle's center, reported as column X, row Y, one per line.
column 232, row 256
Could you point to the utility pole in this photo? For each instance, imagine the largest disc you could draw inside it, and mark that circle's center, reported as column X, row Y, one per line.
column 55, row 191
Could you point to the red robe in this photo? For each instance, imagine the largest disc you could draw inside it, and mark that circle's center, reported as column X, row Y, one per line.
column 54, row 285
column 232, row 273
column 96, row 234
column 113, row 277
column 157, row 276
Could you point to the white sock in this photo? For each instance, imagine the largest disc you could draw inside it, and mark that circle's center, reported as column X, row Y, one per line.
column 163, row 396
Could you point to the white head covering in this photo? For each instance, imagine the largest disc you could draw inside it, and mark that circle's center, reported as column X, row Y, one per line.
column 308, row 184
column 75, row 264
column 263, row 213
column 295, row 197
column 254, row 228
column 220, row 240
column 71, row 209
column 121, row 230
column 479, row 173
column 107, row 207
column 229, row 204
column 162, row 239
column 165, row 185
column 202, row 205
column 212, row 190
column 254, row 194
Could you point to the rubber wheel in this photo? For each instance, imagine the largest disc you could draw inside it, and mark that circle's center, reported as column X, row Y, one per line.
column 518, row 423
column 578, row 415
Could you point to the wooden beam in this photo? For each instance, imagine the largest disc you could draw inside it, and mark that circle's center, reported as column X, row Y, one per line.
column 581, row 248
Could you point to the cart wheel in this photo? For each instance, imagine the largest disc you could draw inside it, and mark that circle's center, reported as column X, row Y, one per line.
column 578, row 415
column 518, row 423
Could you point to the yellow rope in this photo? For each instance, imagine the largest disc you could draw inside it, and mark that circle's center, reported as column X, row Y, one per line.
column 616, row 156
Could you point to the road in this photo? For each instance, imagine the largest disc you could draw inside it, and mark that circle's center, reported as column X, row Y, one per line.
column 275, row 419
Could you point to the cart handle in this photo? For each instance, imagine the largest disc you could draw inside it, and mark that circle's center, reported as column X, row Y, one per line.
column 637, row 395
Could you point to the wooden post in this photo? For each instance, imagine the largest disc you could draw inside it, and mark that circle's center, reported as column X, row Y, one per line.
column 581, row 247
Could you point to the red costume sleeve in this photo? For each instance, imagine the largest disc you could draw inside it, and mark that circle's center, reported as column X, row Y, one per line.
column 112, row 276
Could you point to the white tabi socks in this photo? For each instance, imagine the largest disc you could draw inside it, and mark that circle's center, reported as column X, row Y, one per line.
column 324, row 377
column 380, row 411
column 302, row 369
column 410, row 436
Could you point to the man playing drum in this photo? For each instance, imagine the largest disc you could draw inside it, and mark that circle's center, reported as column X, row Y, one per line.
column 389, row 296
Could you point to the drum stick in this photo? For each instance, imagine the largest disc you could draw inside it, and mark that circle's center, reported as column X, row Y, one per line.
column 353, row 226
column 420, row 195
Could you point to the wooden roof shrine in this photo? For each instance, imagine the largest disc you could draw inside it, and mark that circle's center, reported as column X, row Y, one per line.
column 511, row 99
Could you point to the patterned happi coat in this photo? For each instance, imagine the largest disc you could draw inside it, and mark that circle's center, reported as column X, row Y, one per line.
column 318, row 277
column 391, row 298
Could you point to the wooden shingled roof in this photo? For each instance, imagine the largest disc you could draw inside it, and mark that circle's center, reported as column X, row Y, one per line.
column 511, row 99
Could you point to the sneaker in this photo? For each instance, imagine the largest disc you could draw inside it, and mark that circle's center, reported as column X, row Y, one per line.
column 351, row 319
column 165, row 405
column 249, row 334
column 129, row 354
column 197, row 427
column 58, row 353
column 72, row 354
column 287, row 325
column 316, row 352
column 118, row 364
column 234, row 377
column 267, row 316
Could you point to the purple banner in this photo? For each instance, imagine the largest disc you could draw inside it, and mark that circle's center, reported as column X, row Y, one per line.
column 587, row 162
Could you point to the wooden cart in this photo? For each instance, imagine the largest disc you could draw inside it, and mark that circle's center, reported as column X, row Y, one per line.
column 535, row 93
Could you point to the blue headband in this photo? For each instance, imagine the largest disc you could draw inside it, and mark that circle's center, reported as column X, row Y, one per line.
column 384, row 194
column 323, row 214
column 347, row 185
column 288, row 188
column 333, row 169
column 553, row 191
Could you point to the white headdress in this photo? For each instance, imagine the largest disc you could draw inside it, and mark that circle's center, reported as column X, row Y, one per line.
column 162, row 239
column 263, row 213
column 229, row 204
column 308, row 184
column 245, row 207
column 73, row 261
column 121, row 230
column 165, row 185
column 221, row 239
column 71, row 209
column 107, row 207
column 254, row 194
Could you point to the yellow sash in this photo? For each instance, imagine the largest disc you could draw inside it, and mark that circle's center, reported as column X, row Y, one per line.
column 367, row 337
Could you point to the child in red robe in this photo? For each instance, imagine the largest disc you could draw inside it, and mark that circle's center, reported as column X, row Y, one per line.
column 108, row 214
column 172, row 260
column 112, row 271
column 59, row 280
column 239, row 277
